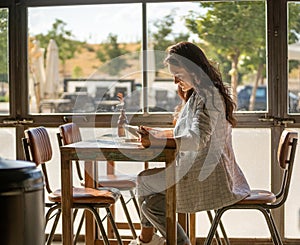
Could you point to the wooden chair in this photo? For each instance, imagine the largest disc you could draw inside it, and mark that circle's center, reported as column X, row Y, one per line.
column 264, row 200
column 37, row 148
column 70, row 133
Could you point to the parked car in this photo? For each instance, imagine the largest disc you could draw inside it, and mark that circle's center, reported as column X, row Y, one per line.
column 244, row 94
column 80, row 102
column 293, row 103
column 243, row 98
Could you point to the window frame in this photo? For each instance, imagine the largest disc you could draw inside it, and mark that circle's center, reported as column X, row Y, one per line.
column 245, row 119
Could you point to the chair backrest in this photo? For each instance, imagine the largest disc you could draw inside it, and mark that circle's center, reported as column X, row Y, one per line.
column 284, row 147
column 70, row 133
column 37, row 148
column 39, row 145
column 286, row 156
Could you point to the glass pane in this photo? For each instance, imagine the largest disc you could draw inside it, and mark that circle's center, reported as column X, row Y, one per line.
column 292, row 206
column 166, row 26
column 293, row 57
column 231, row 33
column 8, row 146
column 79, row 65
column 4, row 83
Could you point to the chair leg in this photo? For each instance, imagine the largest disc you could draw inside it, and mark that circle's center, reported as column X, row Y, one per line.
column 135, row 202
column 52, row 232
column 99, row 223
column 214, row 227
column 272, row 226
column 268, row 217
column 75, row 214
column 131, row 226
column 78, row 229
column 219, row 242
column 114, row 226
column 277, row 236
column 57, row 216
column 227, row 242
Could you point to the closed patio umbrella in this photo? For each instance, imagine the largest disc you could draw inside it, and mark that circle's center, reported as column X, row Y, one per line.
column 37, row 72
column 51, row 87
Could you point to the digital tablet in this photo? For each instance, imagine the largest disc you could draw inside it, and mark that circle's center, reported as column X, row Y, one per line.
column 132, row 129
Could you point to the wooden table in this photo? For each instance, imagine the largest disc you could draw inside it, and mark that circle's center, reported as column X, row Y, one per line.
column 113, row 150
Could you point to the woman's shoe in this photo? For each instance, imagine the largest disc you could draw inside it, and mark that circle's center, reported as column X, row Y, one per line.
column 156, row 240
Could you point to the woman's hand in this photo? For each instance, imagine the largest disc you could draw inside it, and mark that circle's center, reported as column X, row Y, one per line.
column 155, row 137
column 145, row 136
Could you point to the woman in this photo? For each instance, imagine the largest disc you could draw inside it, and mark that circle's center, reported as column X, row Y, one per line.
column 207, row 174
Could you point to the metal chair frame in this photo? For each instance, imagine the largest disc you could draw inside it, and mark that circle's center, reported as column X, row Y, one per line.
column 286, row 155
column 42, row 134
column 64, row 138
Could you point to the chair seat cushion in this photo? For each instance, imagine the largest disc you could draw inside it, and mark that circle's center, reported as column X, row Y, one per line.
column 259, row 197
column 122, row 182
column 89, row 195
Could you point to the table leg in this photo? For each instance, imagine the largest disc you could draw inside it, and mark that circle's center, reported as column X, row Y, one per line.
column 89, row 180
column 188, row 223
column 171, row 202
column 66, row 205
column 192, row 228
column 110, row 169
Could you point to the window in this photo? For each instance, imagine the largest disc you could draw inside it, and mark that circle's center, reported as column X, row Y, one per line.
column 231, row 33
column 292, row 208
column 293, row 57
column 103, row 48
column 76, row 50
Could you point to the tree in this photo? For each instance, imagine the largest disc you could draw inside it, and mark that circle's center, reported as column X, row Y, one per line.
column 294, row 22
column 63, row 38
column 164, row 36
column 3, row 43
column 77, row 72
column 234, row 30
column 112, row 53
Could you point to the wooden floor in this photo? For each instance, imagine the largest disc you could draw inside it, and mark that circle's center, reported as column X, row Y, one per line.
column 201, row 241
column 232, row 242
column 60, row 243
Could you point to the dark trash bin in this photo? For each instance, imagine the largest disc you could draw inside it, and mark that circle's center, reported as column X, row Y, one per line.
column 21, row 203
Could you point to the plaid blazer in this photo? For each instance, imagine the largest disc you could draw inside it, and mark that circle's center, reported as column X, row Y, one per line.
column 208, row 176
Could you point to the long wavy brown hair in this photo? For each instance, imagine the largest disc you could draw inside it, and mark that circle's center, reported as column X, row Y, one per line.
column 189, row 51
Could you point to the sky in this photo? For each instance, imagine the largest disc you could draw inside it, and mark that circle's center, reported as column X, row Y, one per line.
column 93, row 23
